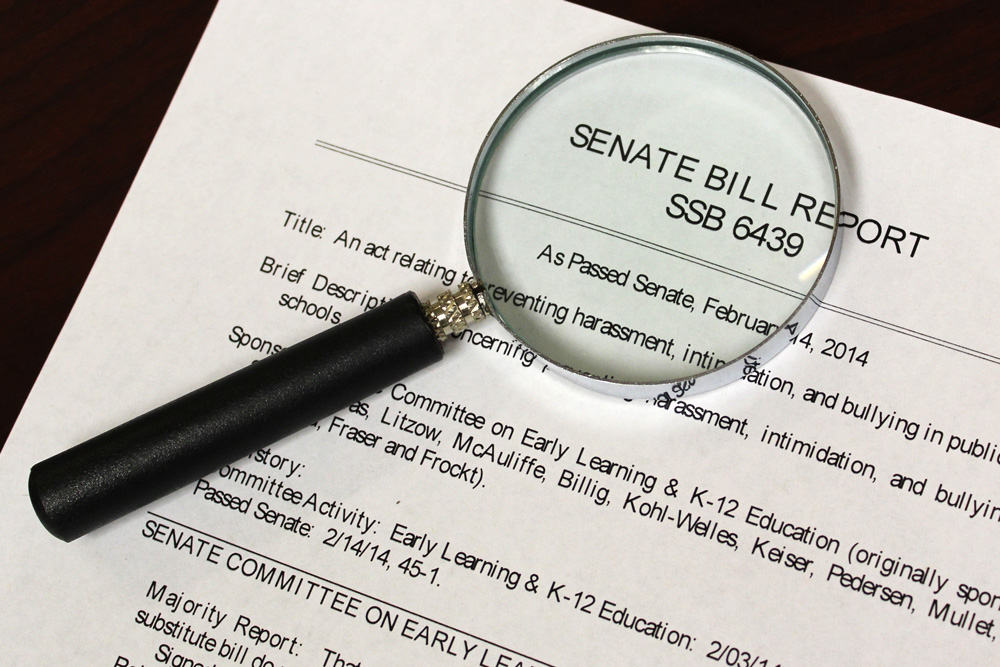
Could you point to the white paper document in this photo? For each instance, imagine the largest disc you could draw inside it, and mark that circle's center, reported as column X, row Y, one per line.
column 838, row 506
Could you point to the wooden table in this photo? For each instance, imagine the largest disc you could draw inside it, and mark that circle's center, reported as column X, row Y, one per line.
column 84, row 85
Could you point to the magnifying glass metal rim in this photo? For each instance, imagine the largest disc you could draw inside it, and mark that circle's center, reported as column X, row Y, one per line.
column 767, row 348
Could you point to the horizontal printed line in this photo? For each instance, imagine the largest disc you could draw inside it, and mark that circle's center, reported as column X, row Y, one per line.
column 912, row 333
column 861, row 317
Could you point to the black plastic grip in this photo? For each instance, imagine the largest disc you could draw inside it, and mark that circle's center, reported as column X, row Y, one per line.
column 117, row 472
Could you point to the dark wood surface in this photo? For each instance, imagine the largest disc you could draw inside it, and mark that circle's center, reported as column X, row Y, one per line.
column 84, row 85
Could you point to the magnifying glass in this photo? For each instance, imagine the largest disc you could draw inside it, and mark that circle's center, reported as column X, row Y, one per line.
column 652, row 214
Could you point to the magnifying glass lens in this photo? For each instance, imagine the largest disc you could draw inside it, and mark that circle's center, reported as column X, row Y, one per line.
column 652, row 210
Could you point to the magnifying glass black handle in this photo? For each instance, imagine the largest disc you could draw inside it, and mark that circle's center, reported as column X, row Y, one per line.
column 85, row 487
